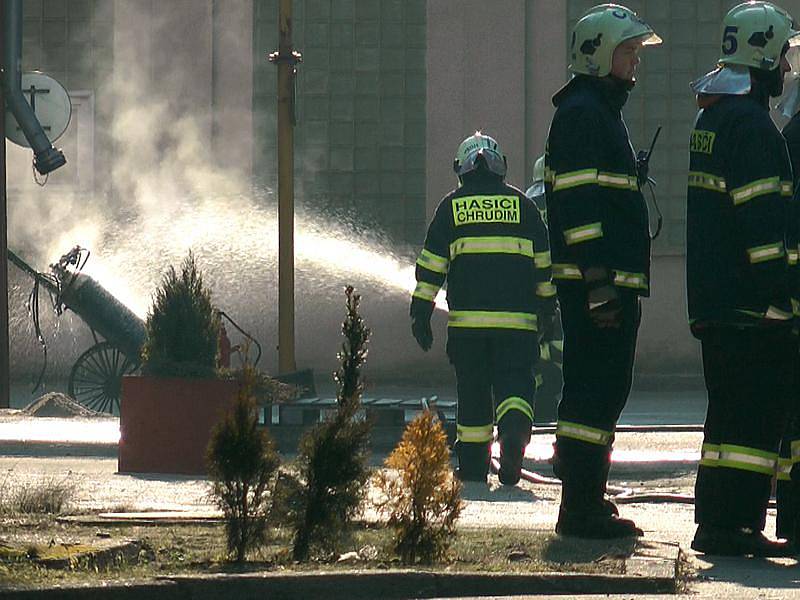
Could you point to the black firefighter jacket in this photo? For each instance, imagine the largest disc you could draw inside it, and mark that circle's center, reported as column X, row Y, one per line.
column 596, row 212
column 490, row 244
column 741, row 246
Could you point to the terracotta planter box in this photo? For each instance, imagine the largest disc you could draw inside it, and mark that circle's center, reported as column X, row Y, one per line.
column 166, row 423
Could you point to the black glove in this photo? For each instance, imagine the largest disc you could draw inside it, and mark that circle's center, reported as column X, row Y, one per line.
column 421, row 330
column 606, row 314
column 421, row 312
column 602, row 299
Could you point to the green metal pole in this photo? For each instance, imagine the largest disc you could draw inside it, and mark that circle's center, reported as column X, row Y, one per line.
column 286, row 61
column 5, row 371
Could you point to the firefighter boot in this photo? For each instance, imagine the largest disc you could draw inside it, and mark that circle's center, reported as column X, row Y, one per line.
column 559, row 469
column 585, row 513
column 718, row 541
column 511, row 454
column 514, row 433
column 473, row 461
column 610, row 507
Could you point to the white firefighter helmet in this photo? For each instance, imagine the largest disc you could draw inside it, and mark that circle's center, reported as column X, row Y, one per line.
column 536, row 190
column 754, row 35
column 480, row 145
column 598, row 33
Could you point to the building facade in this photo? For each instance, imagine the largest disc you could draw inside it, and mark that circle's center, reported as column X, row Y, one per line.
column 386, row 91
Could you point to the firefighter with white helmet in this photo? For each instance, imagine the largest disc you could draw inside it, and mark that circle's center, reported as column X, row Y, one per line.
column 600, row 246
column 741, row 263
column 488, row 242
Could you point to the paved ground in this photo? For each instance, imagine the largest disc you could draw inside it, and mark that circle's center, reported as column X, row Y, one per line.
column 529, row 505
column 645, row 462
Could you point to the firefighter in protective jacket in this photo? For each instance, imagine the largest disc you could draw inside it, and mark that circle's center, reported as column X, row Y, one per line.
column 488, row 241
column 740, row 261
column 787, row 520
column 600, row 244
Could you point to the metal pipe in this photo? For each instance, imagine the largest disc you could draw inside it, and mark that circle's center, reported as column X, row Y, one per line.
column 29, row 270
column 5, row 348
column 46, row 157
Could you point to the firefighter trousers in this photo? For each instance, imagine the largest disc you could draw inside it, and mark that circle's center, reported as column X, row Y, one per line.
column 787, row 521
column 748, row 375
column 598, row 372
column 494, row 375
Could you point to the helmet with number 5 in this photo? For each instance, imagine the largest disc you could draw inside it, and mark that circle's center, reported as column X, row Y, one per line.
column 754, row 34
column 598, row 33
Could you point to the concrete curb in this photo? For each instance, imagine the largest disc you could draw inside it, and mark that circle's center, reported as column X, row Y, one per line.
column 57, row 449
column 653, row 569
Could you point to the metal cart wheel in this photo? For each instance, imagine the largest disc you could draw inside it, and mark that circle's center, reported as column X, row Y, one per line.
column 96, row 377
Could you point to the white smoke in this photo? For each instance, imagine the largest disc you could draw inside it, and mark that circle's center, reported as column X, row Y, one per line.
column 172, row 189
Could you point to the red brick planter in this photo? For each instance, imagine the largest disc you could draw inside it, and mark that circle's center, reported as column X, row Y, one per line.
column 166, row 423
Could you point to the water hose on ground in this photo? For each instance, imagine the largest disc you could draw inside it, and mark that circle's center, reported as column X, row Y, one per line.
column 620, row 494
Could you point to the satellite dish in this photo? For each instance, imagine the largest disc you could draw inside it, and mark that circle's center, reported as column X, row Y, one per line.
column 50, row 103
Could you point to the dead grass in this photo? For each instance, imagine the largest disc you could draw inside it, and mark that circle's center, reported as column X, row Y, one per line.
column 193, row 549
column 48, row 495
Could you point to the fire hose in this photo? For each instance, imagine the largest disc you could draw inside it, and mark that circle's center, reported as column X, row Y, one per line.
column 622, row 494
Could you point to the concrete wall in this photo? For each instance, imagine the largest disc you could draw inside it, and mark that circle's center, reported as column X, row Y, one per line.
column 483, row 60
column 195, row 55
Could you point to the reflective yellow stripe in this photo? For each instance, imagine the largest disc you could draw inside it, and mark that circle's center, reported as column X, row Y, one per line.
column 545, row 289
column 784, row 470
column 583, row 433
column 766, row 252
column 491, row 245
column 754, row 189
column 795, row 451
column 709, row 455
column 792, row 256
column 617, row 180
column 479, row 434
column 426, row 291
column 432, row 262
column 480, row 319
column 636, row 281
column 773, row 312
column 542, row 259
column 584, row 233
column 563, row 181
column 707, row 181
column 514, row 403
column 572, row 179
column 747, row 459
column 549, row 175
column 787, row 189
column 566, row 271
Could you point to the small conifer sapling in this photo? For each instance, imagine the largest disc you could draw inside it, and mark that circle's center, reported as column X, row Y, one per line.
column 420, row 494
column 242, row 460
column 332, row 457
